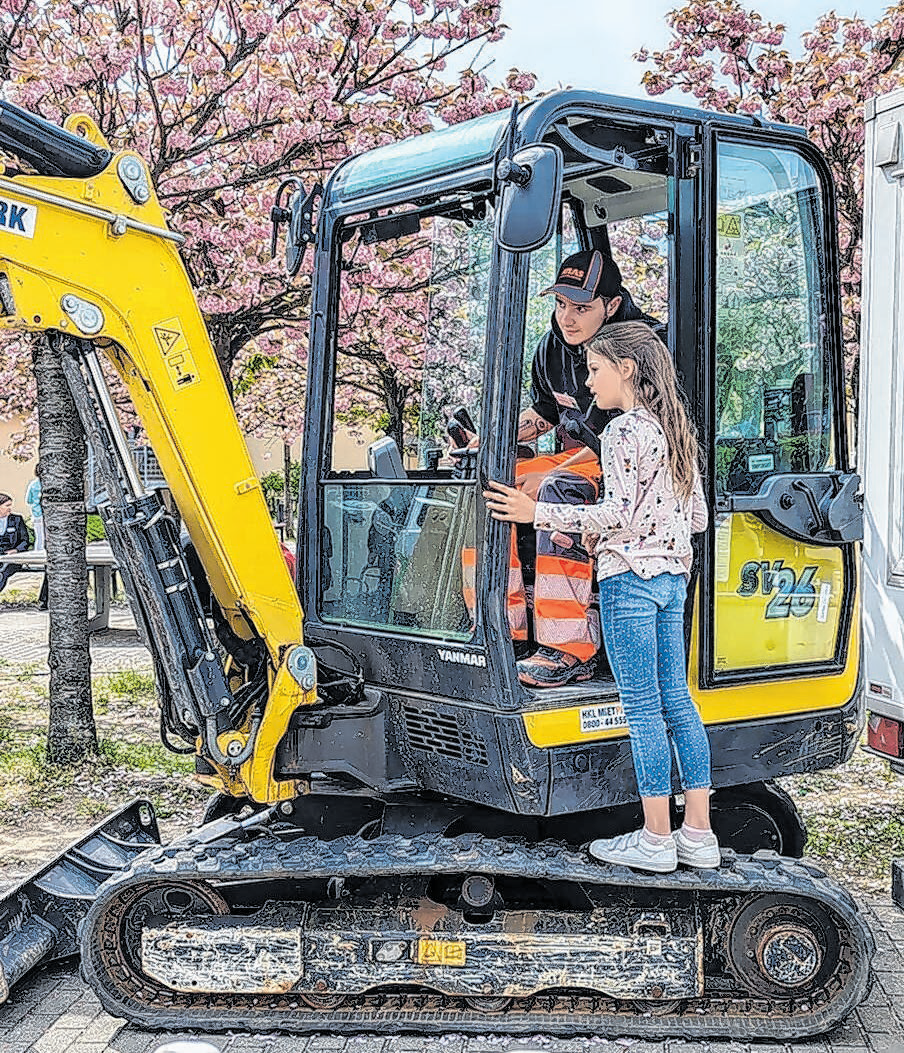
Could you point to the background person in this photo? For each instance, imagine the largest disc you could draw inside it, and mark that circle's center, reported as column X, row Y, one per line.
column 13, row 537
column 33, row 500
column 653, row 501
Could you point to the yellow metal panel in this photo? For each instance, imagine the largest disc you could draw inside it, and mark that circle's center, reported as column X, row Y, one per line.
column 773, row 698
column 777, row 601
column 154, row 334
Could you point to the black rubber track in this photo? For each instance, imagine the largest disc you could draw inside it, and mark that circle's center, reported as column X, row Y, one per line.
column 740, row 1014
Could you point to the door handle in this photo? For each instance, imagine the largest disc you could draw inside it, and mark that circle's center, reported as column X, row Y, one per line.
column 822, row 508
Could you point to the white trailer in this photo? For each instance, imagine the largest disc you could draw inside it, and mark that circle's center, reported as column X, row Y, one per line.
column 881, row 435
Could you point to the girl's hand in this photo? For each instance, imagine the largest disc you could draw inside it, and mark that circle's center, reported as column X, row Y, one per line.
column 508, row 504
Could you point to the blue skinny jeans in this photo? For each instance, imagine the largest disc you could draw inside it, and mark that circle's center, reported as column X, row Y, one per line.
column 643, row 631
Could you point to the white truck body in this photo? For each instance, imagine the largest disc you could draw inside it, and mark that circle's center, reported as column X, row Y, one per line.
column 881, row 426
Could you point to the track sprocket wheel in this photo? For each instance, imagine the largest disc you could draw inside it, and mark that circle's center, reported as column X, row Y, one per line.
column 782, row 947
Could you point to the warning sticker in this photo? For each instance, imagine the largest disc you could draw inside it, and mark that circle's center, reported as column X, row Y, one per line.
column 728, row 225
column 441, row 952
column 166, row 338
column 179, row 361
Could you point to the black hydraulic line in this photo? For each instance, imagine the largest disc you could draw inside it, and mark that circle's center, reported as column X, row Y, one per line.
column 48, row 148
column 196, row 697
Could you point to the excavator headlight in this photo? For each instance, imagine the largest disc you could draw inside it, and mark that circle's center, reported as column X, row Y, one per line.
column 302, row 665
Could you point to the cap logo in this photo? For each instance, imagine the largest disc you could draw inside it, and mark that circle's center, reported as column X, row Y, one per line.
column 572, row 272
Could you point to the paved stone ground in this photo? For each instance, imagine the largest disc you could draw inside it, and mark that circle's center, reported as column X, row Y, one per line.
column 52, row 1011
column 23, row 640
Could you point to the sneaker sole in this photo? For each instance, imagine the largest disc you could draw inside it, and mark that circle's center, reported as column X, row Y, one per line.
column 651, row 867
column 578, row 678
column 701, row 864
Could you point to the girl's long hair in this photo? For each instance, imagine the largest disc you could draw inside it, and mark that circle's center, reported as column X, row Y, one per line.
column 656, row 386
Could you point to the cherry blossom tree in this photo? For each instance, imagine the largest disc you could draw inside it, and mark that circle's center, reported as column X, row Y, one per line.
column 224, row 97
column 729, row 58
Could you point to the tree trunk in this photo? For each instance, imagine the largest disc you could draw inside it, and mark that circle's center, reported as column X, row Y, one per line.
column 287, row 490
column 71, row 733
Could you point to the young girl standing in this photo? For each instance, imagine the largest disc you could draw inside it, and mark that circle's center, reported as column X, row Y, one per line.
column 641, row 529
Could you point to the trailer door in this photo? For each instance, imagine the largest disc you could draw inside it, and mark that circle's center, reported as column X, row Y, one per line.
column 881, row 432
column 779, row 570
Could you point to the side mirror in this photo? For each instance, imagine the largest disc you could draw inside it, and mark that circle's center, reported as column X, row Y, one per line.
column 528, row 209
column 298, row 218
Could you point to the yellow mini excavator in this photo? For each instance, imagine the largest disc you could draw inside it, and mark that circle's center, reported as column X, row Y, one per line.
column 396, row 838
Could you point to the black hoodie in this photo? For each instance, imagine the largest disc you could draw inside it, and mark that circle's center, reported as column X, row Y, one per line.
column 559, row 374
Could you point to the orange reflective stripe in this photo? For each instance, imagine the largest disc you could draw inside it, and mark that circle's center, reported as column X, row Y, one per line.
column 516, row 600
column 560, row 566
column 557, row 609
column 583, row 650
column 588, row 469
column 469, row 580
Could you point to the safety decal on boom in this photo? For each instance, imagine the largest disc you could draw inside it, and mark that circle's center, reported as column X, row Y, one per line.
column 176, row 354
column 18, row 218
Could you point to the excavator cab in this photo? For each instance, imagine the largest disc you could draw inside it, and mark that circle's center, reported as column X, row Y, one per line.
column 430, row 257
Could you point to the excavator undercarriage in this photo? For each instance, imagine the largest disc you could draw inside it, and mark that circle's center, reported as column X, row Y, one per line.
column 262, row 925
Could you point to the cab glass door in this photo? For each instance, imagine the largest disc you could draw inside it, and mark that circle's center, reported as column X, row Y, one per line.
column 781, row 565
column 399, row 552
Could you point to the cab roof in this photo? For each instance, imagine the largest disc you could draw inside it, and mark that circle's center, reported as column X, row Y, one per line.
column 474, row 142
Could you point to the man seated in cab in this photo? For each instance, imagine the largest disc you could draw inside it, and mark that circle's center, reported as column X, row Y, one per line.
column 588, row 294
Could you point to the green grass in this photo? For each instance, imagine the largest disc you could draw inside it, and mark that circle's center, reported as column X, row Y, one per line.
column 26, row 774
column 129, row 683
column 91, row 808
column 865, row 837
column 147, row 757
column 94, row 528
column 15, row 595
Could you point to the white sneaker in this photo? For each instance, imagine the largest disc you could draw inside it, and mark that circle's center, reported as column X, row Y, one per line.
column 634, row 850
column 704, row 855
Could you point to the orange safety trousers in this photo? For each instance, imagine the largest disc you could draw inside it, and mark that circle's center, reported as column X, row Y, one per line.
column 563, row 584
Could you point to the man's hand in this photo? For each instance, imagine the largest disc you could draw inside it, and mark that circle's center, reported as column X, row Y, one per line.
column 529, row 483
column 531, row 425
column 509, row 504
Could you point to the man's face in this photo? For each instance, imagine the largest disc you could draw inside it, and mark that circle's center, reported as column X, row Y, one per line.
column 580, row 321
column 6, row 508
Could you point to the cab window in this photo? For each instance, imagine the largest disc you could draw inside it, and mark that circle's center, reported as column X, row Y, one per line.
column 773, row 382
column 400, row 536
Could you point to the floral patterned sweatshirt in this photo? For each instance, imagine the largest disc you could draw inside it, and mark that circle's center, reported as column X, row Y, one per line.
column 640, row 522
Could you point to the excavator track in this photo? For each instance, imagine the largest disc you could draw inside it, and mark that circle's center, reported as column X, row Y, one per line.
column 768, row 947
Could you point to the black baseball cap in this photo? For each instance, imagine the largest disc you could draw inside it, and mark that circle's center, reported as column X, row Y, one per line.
column 585, row 276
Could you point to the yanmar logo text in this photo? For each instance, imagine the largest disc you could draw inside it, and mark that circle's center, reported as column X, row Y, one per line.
column 462, row 657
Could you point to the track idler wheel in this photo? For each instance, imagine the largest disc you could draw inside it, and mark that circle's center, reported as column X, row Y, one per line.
column 783, row 947
column 116, row 944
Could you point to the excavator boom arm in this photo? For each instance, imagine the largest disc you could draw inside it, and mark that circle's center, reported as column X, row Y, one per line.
column 85, row 253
